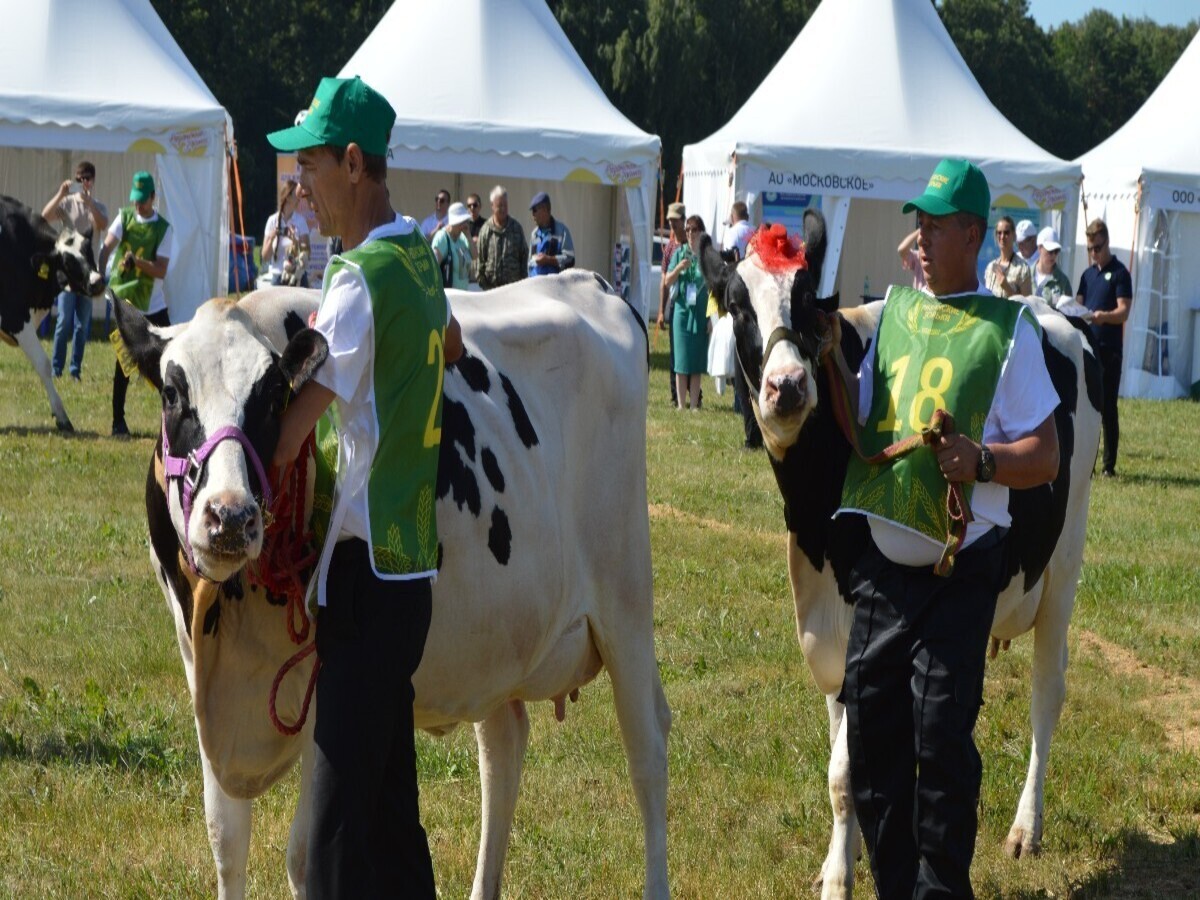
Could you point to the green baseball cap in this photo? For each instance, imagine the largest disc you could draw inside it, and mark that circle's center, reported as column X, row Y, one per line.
column 343, row 110
column 955, row 186
column 143, row 187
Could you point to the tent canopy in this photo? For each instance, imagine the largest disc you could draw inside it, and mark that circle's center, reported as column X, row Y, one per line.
column 866, row 101
column 510, row 98
column 157, row 111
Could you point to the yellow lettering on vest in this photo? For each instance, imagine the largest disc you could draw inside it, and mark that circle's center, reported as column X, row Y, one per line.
column 936, row 376
column 891, row 422
column 433, row 434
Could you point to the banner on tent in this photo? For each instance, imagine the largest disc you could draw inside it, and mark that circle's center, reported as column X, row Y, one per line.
column 1163, row 195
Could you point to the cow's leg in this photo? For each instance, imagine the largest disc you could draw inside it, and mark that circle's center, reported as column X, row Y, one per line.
column 502, row 738
column 32, row 347
column 1049, row 691
column 645, row 720
column 229, row 833
column 297, row 852
column 845, row 842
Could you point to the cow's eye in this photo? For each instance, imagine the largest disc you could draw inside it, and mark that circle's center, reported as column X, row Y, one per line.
column 170, row 396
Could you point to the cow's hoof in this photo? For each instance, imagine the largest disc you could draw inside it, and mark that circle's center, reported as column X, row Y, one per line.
column 65, row 425
column 1022, row 843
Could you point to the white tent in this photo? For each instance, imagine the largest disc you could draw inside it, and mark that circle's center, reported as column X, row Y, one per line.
column 854, row 117
column 489, row 91
column 1144, row 181
column 121, row 93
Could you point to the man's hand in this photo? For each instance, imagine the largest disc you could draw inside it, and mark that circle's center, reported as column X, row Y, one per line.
column 958, row 458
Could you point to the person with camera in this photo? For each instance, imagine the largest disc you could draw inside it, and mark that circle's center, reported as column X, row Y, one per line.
column 285, row 248
column 74, row 205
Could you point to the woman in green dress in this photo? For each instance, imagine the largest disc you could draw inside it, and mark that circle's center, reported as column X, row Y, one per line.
column 690, row 324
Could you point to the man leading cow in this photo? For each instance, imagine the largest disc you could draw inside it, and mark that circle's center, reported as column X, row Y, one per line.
column 384, row 315
column 914, row 664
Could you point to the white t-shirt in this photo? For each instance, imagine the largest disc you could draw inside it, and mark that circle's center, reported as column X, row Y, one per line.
column 344, row 319
column 431, row 223
column 738, row 235
column 1025, row 396
column 158, row 300
column 279, row 254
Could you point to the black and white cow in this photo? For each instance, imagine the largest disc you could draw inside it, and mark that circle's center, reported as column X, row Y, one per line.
column 543, row 524
column 35, row 265
column 809, row 454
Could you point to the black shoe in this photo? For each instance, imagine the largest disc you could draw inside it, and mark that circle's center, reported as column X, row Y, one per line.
column 1109, row 473
column 120, row 430
column 75, row 376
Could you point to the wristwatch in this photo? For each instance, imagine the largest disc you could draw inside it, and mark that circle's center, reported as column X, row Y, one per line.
column 986, row 470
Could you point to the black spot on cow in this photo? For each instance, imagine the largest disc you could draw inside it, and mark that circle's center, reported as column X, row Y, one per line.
column 456, row 478
column 233, row 587
column 213, row 617
column 500, row 536
column 491, row 468
column 166, row 543
column 1038, row 513
column 293, row 324
column 517, row 409
column 474, row 372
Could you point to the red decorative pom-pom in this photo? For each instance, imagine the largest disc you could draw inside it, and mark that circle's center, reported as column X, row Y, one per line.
column 777, row 252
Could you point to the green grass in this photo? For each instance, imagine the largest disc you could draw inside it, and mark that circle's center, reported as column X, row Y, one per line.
column 100, row 788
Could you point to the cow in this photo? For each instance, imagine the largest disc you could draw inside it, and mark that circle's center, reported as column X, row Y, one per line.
column 36, row 264
column 545, row 574
column 809, row 454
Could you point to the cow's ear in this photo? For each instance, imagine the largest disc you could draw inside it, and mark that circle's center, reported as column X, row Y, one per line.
column 44, row 265
column 828, row 304
column 715, row 269
column 143, row 343
column 302, row 357
column 815, row 243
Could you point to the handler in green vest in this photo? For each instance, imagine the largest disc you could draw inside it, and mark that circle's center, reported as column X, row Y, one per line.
column 384, row 315
column 142, row 240
column 914, row 663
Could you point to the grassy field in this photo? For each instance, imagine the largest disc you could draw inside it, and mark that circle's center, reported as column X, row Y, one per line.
column 100, row 787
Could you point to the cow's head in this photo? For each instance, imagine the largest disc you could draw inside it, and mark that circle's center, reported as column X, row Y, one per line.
column 70, row 263
column 216, row 374
column 778, row 322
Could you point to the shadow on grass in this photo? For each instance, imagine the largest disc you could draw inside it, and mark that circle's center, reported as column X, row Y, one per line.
column 24, row 431
column 1157, row 479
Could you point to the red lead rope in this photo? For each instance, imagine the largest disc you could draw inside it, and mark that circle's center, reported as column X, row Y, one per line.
column 942, row 423
column 288, row 555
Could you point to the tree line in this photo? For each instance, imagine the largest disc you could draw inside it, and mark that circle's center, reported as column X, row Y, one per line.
column 679, row 68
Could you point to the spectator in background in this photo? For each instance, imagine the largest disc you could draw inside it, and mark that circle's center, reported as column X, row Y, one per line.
column 551, row 248
column 142, row 239
column 1049, row 281
column 676, row 213
column 1007, row 275
column 452, row 248
column 73, row 204
column 1106, row 289
column 690, row 322
column 1027, row 245
column 285, row 246
column 474, row 205
column 737, row 236
column 437, row 218
column 503, row 253
column 910, row 259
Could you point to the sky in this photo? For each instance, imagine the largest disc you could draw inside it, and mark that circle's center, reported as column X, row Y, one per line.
column 1052, row 13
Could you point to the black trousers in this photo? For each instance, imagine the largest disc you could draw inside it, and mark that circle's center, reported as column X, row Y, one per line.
column 120, row 381
column 1110, row 371
column 913, row 689
column 670, row 316
column 741, row 393
column 366, row 838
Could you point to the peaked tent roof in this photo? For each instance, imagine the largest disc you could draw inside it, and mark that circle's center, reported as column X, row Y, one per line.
column 1162, row 138
column 158, row 88
column 496, row 100
column 876, row 86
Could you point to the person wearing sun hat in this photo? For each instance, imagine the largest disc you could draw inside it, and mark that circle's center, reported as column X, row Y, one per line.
column 1050, row 283
column 142, row 239
column 452, row 248
column 923, row 608
column 382, row 309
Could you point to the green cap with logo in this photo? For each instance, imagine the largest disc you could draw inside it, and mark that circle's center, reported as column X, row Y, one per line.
column 343, row 111
column 955, row 186
column 143, row 187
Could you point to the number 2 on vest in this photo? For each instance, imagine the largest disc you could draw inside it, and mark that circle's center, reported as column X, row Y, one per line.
column 433, row 434
column 936, row 375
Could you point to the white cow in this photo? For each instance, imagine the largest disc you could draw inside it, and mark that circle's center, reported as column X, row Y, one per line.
column 546, row 571
column 779, row 312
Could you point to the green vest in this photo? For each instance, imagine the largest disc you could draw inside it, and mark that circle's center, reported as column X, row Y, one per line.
column 142, row 238
column 930, row 353
column 408, row 306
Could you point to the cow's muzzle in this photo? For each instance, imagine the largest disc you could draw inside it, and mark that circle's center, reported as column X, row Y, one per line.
column 787, row 392
column 230, row 526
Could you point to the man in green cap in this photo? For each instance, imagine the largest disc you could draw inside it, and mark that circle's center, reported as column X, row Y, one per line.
column 143, row 240
column 384, row 315
column 915, row 658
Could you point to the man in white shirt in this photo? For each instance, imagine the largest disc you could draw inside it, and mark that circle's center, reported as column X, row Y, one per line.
column 436, row 219
column 739, row 232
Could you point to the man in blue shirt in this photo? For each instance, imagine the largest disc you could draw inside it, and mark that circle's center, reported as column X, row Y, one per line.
column 1106, row 289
